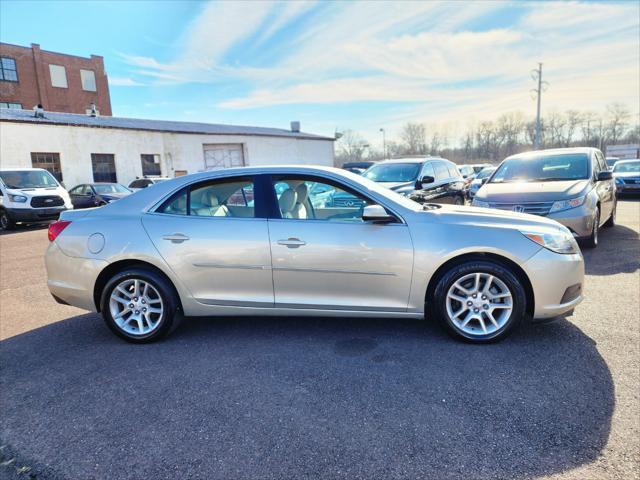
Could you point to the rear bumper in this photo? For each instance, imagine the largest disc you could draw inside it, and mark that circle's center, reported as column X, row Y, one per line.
column 557, row 282
column 71, row 279
column 34, row 215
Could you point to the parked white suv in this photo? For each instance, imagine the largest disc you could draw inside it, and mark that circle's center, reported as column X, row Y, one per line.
column 30, row 195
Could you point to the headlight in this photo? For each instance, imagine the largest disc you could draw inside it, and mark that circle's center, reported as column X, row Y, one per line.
column 560, row 242
column 567, row 204
column 619, row 180
column 18, row 198
column 480, row 203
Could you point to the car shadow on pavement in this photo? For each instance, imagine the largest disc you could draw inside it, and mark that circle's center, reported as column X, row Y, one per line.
column 303, row 398
column 620, row 245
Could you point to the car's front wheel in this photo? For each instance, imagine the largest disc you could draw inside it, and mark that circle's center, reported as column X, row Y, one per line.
column 479, row 301
column 6, row 223
column 592, row 240
column 140, row 305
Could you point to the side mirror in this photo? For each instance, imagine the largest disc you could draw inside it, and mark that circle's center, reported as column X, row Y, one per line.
column 423, row 180
column 605, row 175
column 377, row 214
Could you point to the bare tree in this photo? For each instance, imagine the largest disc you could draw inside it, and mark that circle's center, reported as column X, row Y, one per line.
column 351, row 147
column 588, row 128
column 573, row 119
column 413, row 136
column 617, row 120
column 556, row 125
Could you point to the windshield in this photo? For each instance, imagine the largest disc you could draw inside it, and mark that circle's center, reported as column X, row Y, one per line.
column 393, row 172
column 110, row 188
column 545, row 168
column 485, row 173
column 28, row 179
column 627, row 167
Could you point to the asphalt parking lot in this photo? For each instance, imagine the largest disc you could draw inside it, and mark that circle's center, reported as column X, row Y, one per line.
column 333, row 398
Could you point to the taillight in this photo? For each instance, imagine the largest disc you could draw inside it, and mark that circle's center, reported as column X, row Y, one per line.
column 56, row 229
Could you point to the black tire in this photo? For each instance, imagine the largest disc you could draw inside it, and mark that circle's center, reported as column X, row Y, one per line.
column 503, row 273
column 171, row 315
column 592, row 240
column 6, row 222
column 611, row 222
column 458, row 201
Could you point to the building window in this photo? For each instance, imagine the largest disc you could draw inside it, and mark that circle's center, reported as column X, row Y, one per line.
column 88, row 78
column 11, row 105
column 104, row 167
column 48, row 161
column 58, row 76
column 150, row 164
column 8, row 69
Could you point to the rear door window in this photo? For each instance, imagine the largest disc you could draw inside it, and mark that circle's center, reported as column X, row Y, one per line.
column 232, row 197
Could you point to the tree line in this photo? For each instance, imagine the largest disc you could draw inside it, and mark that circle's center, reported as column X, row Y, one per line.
column 493, row 140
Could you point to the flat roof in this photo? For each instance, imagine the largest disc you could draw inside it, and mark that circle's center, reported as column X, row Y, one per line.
column 79, row 120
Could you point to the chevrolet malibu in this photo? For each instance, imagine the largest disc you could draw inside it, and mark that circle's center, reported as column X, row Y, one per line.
column 254, row 241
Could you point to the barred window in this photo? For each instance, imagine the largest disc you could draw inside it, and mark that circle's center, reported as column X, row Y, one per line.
column 49, row 161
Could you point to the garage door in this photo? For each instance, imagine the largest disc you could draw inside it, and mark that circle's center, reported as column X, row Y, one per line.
column 223, row 156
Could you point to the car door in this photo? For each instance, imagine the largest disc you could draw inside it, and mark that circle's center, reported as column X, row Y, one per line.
column 441, row 195
column 605, row 188
column 80, row 198
column 214, row 236
column 329, row 257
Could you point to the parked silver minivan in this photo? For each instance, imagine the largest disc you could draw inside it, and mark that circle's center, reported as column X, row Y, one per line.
column 573, row 186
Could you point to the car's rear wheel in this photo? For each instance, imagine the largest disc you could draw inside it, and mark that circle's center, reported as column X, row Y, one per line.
column 6, row 223
column 140, row 305
column 459, row 201
column 479, row 301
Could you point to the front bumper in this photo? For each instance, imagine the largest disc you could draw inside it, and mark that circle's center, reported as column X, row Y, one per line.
column 628, row 188
column 578, row 220
column 557, row 281
column 35, row 215
column 71, row 279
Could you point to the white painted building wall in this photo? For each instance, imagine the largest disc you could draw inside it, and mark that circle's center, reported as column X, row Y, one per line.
column 178, row 151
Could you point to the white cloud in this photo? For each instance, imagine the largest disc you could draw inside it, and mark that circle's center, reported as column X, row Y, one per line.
column 434, row 56
column 124, row 82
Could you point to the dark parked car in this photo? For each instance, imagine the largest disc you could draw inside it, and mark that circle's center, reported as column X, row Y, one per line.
column 357, row 167
column 90, row 195
column 425, row 179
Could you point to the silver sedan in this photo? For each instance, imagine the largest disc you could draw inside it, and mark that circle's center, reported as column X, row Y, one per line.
column 275, row 241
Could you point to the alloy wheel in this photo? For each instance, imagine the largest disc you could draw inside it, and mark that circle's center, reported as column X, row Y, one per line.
column 4, row 221
column 136, row 307
column 479, row 304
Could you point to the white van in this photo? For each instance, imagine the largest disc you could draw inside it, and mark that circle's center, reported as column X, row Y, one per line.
column 30, row 195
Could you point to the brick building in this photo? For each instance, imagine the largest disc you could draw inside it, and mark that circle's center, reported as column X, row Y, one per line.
column 59, row 82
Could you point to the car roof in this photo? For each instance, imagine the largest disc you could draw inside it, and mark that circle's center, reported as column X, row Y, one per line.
column 555, row 151
column 18, row 169
column 412, row 160
column 628, row 160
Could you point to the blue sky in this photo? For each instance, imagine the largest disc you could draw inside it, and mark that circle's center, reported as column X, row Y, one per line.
column 343, row 64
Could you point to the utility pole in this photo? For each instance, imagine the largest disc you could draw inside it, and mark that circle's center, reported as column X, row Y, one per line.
column 384, row 144
column 542, row 86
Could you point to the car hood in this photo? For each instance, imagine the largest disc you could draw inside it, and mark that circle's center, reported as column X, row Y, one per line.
column 396, row 185
column 531, row 191
column 489, row 217
column 626, row 175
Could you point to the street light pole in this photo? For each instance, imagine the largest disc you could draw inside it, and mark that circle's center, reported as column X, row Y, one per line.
column 384, row 144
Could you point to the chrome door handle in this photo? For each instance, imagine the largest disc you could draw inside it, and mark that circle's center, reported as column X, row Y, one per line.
column 176, row 237
column 292, row 242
